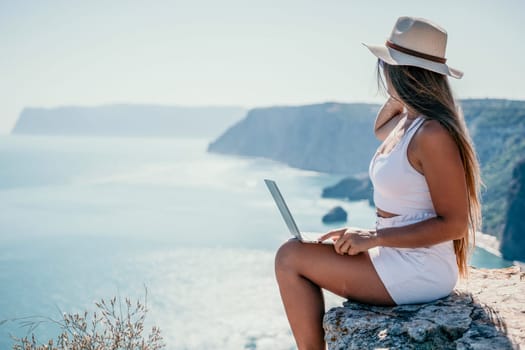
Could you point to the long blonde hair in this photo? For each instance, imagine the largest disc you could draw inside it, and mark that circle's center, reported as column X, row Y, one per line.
column 429, row 93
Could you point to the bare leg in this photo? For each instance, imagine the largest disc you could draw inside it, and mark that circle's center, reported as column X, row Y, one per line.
column 302, row 269
column 304, row 305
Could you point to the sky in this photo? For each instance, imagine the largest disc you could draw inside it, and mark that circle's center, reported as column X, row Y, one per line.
column 237, row 52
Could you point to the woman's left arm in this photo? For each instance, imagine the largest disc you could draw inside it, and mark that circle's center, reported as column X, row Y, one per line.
column 439, row 157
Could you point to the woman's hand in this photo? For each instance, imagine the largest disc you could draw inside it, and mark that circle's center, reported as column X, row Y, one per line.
column 387, row 118
column 351, row 240
column 392, row 107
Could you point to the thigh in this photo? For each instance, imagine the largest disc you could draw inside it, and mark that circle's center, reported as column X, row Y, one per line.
column 349, row 276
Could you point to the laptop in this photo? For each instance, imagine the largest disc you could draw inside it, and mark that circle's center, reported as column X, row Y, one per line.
column 305, row 237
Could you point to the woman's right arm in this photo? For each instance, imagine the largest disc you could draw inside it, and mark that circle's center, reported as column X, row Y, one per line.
column 387, row 118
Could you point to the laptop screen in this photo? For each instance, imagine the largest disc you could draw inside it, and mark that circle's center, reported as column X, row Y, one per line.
column 283, row 208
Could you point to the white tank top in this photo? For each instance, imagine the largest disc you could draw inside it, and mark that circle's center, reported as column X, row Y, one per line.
column 398, row 187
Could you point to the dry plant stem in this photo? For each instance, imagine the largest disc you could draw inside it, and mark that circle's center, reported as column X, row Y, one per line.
column 112, row 327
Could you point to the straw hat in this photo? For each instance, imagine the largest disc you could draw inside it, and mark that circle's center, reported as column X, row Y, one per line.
column 416, row 42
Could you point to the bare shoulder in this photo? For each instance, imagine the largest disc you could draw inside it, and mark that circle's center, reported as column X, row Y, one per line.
column 433, row 146
column 433, row 134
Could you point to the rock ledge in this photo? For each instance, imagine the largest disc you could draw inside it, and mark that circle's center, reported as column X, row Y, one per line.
column 487, row 311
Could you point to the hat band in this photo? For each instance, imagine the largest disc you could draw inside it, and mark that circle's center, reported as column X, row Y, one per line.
column 415, row 53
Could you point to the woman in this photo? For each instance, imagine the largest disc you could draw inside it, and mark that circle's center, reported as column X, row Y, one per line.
column 426, row 189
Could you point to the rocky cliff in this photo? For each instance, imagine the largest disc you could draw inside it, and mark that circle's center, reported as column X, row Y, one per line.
column 330, row 137
column 497, row 128
column 513, row 239
column 484, row 312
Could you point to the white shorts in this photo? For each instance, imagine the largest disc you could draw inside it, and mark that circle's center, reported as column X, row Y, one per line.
column 415, row 275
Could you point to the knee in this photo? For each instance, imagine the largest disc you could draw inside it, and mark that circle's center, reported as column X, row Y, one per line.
column 286, row 257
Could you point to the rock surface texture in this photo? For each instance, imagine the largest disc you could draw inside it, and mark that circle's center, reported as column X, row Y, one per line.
column 487, row 311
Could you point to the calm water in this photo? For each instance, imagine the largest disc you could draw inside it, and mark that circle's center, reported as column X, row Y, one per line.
column 89, row 218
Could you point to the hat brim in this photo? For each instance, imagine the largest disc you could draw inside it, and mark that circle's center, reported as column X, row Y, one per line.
column 398, row 58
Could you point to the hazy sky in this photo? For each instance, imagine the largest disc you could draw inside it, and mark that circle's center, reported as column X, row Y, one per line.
column 237, row 52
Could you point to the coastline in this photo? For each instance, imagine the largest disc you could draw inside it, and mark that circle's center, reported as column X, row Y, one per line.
column 488, row 242
column 491, row 244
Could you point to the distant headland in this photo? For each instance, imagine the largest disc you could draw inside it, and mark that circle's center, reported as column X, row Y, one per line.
column 128, row 120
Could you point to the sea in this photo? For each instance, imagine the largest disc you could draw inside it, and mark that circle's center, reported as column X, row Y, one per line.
column 190, row 233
